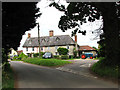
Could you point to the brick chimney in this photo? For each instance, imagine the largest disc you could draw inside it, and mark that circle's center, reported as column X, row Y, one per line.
column 29, row 35
column 51, row 33
column 75, row 38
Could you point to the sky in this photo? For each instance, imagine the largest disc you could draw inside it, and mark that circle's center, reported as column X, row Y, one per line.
column 49, row 21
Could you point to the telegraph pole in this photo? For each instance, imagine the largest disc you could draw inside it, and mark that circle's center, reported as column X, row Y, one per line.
column 39, row 39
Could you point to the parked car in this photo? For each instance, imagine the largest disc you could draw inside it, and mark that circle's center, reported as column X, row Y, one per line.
column 47, row 55
column 87, row 55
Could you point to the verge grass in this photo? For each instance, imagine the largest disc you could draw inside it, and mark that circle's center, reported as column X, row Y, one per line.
column 7, row 78
column 47, row 62
column 106, row 71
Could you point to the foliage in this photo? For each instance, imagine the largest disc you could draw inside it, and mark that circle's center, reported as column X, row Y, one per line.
column 7, row 78
column 17, row 17
column 56, row 56
column 95, row 48
column 37, row 54
column 46, row 62
column 71, row 56
column 22, row 56
column 106, row 71
column 90, row 11
column 15, row 57
column 64, row 57
column 75, row 53
column 101, row 49
column 4, row 56
column 63, row 51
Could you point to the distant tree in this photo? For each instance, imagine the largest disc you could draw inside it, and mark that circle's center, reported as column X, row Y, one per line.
column 95, row 48
column 17, row 17
column 62, row 51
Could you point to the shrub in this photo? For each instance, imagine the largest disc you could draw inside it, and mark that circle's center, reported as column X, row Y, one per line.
column 22, row 56
column 15, row 57
column 62, row 51
column 75, row 54
column 71, row 56
column 37, row 54
column 56, row 56
column 64, row 56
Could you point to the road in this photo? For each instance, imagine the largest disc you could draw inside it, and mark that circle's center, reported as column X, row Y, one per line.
column 34, row 76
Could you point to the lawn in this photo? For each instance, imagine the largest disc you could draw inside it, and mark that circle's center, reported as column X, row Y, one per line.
column 47, row 62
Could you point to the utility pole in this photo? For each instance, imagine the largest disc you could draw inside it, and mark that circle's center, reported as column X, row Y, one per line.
column 39, row 39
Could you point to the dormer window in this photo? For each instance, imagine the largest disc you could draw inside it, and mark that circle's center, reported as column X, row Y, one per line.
column 43, row 40
column 57, row 39
column 30, row 41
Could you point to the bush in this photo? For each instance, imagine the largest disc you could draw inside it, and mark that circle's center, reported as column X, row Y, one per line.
column 75, row 54
column 64, row 57
column 22, row 56
column 15, row 57
column 71, row 56
column 56, row 56
column 37, row 54
column 62, row 51
column 105, row 71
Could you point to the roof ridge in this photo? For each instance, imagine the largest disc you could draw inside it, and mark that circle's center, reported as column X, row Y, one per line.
column 51, row 36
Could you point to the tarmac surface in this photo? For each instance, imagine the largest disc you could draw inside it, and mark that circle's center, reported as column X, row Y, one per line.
column 74, row 75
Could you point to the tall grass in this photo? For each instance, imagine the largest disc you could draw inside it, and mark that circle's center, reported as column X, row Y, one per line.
column 107, row 71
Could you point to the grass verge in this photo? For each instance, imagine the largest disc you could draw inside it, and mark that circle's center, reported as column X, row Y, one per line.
column 47, row 62
column 106, row 71
column 7, row 78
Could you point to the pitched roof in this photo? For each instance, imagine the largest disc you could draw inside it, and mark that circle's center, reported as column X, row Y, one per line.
column 19, row 52
column 49, row 41
column 86, row 48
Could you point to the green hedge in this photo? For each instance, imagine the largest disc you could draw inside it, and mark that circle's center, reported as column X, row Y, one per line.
column 64, row 57
column 37, row 54
column 56, row 56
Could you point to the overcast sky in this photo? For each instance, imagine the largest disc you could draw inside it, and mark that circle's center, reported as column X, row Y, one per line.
column 49, row 21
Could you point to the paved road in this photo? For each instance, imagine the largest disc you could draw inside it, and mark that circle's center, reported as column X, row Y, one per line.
column 34, row 76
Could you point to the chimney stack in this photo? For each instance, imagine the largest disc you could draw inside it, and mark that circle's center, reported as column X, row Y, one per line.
column 51, row 33
column 29, row 35
column 75, row 38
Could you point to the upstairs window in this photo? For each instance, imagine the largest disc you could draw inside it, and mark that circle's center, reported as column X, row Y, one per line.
column 32, row 48
column 26, row 48
column 41, row 48
column 67, row 46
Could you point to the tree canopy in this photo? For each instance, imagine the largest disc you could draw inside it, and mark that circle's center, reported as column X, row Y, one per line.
column 17, row 17
column 78, row 13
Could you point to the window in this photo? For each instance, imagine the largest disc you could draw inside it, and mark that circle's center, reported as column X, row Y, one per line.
column 57, row 39
column 32, row 48
column 41, row 48
column 56, row 47
column 26, row 48
column 67, row 46
column 48, row 48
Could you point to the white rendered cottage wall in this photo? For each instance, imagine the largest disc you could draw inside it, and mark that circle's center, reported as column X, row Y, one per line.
column 52, row 49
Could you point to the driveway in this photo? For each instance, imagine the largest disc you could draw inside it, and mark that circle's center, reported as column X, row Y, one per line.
column 34, row 76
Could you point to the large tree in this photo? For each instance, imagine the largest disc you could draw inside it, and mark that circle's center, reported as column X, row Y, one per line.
column 17, row 17
column 78, row 13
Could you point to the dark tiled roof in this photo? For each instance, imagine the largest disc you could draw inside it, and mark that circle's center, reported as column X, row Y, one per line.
column 86, row 48
column 49, row 41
